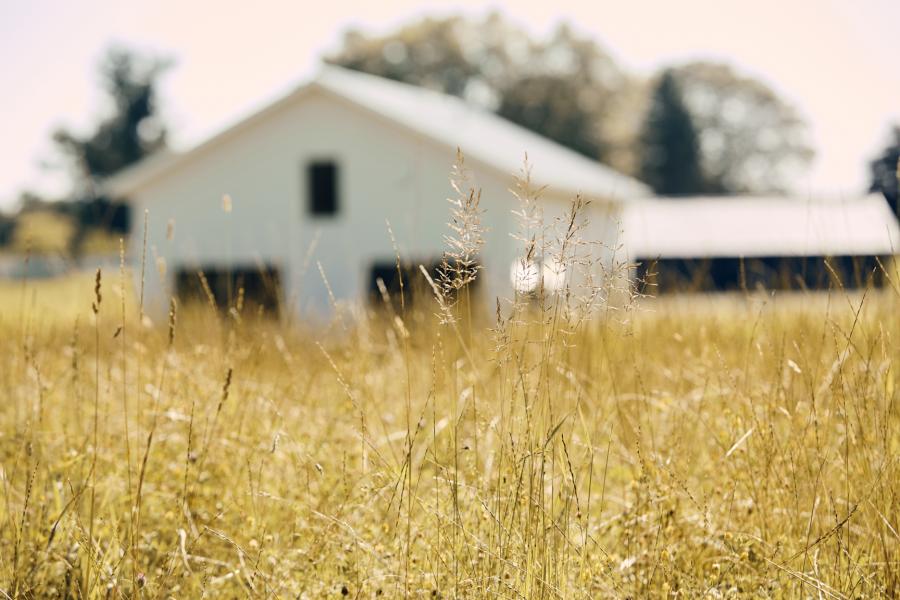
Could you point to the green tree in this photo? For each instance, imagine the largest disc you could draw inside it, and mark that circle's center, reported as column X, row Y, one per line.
column 670, row 152
column 751, row 140
column 132, row 130
column 428, row 53
column 570, row 91
column 548, row 104
column 885, row 170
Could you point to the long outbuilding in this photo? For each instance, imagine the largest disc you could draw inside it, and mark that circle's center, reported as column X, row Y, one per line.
column 724, row 243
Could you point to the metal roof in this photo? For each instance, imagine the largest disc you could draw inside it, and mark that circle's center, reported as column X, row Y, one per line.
column 450, row 121
column 481, row 134
column 747, row 226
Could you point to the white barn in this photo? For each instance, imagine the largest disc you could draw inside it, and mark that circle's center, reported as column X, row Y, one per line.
column 332, row 161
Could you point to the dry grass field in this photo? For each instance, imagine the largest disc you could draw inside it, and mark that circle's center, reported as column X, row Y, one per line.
column 572, row 447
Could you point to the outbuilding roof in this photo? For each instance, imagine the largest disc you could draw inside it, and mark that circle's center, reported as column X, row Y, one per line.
column 755, row 226
column 450, row 121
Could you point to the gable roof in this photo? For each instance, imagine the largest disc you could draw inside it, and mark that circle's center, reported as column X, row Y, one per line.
column 755, row 226
column 447, row 120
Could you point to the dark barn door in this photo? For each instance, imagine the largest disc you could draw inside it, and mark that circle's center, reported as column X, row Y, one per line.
column 415, row 285
column 253, row 288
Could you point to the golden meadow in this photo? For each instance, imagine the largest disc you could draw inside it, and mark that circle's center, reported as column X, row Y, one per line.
column 579, row 444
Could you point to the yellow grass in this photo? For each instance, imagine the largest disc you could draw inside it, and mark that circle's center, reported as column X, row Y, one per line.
column 737, row 448
column 743, row 450
column 43, row 232
column 49, row 302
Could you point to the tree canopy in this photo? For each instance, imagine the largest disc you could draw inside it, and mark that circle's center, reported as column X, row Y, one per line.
column 132, row 130
column 751, row 140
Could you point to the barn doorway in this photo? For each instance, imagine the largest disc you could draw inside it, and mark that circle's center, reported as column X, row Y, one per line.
column 415, row 285
column 256, row 289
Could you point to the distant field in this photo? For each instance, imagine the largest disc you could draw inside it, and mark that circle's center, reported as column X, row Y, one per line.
column 682, row 447
column 57, row 301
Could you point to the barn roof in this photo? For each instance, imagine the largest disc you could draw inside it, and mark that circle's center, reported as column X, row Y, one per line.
column 450, row 121
column 755, row 226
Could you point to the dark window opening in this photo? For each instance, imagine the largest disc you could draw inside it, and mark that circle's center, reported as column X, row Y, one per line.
column 415, row 285
column 390, row 278
column 322, row 180
column 250, row 288
column 771, row 272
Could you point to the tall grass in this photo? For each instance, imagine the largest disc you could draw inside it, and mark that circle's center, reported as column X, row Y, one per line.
column 580, row 443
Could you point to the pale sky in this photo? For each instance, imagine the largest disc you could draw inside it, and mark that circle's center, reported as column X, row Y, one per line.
column 835, row 60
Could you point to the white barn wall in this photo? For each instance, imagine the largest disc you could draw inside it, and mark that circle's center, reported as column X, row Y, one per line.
column 384, row 173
